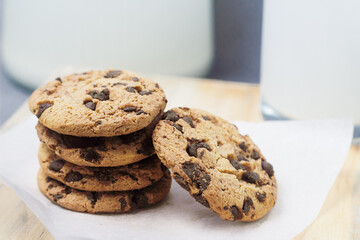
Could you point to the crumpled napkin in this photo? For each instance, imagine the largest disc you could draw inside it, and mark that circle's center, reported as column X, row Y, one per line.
column 306, row 155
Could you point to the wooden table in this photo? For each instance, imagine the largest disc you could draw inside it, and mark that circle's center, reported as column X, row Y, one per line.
column 339, row 217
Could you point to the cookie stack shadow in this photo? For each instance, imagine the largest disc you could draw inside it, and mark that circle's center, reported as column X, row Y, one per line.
column 111, row 174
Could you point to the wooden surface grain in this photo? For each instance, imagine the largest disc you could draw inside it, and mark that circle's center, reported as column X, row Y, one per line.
column 338, row 218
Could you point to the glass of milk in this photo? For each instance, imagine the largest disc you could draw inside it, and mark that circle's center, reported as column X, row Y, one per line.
column 310, row 63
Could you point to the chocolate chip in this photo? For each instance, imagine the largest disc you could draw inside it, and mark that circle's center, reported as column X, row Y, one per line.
column 135, row 79
column 73, row 176
column 58, row 79
column 242, row 158
column 57, row 197
column 118, row 84
column 255, row 155
column 56, row 165
column 235, row 212
column 140, row 200
column 48, row 179
column 243, row 146
column 130, row 89
column 268, row 168
column 67, row 190
column 102, row 96
column 90, row 105
column 81, row 142
column 237, row 165
column 89, row 155
column 93, row 197
column 251, row 177
column 147, row 148
column 181, row 181
column 204, row 182
column 42, row 108
column 140, row 112
column 192, row 170
column 261, row 196
column 178, row 127
column 112, row 74
column 103, row 175
column 247, row 204
column 123, row 203
column 171, row 116
column 199, row 198
column 142, row 93
column 189, row 121
column 192, row 148
column 205, row 118
column 129, row 109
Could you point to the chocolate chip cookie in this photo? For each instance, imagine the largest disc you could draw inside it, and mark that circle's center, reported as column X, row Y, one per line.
column 100, row 151
column 129, row 177
column 220, row 168
column 103, row 202
column 98, row 103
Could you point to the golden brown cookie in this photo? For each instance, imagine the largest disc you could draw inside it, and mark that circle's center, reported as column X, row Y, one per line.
column 103, row 202
column 98, row 103
column 130, row 177
column 100, row 151
column 220, row 168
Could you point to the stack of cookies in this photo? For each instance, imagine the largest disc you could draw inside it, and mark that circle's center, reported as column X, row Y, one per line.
column 96, row 153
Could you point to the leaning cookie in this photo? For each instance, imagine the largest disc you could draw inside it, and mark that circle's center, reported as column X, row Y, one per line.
column 220, row 168
column 100, row 151
column 103, row 202
column 129, row 177
column 98, row 103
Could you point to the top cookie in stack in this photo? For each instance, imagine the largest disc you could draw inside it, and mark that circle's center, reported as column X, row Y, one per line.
column 101, row 119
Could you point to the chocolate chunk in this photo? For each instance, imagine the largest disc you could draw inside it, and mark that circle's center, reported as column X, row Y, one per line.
column 192, row 148
column 189, row 121
column 118, row 84
column 261, row 196
column 90, row 155
column 131, row 89
column 268, row 168
column 112, row 74
column 247, row 204
column 205, row 118
column 48, row 179
column 73, row 176
column 58, row 79
column 81, row 142
column 171, row 116
column 181, row 181
column 140, row 200
column 235, row 212
column 93, row 197
column 102, row 96
column 192, row 170
column 243, row 146
column 255, row 155
column 90, row 105
column 199, row 198
column 204, row 182
column 57, row 197
column 242, row 158
column 129, row 109
column 103, row 175
column 251, row 177
column 147, row 148
column 142, row 93
column 178, row 127
column 237, row 165
column 56, row 165
column 135, row 79
column 42, row 108
column 67, row 190
column 123, row 203
column 140, row 112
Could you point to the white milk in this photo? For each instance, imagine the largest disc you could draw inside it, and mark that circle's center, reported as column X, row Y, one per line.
column 310, row 64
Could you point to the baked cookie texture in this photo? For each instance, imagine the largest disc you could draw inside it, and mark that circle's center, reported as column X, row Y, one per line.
column 100, row 151
column 220, row 168
column 98, row 103
column 124, row 178
column 103, row 202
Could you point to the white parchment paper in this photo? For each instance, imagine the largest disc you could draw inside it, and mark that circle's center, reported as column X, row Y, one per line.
column 306, row 155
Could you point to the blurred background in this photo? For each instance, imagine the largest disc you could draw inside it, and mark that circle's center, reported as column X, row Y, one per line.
column 223, row 38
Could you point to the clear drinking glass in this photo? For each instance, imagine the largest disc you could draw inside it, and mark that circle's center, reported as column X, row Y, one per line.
column 310, row 63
